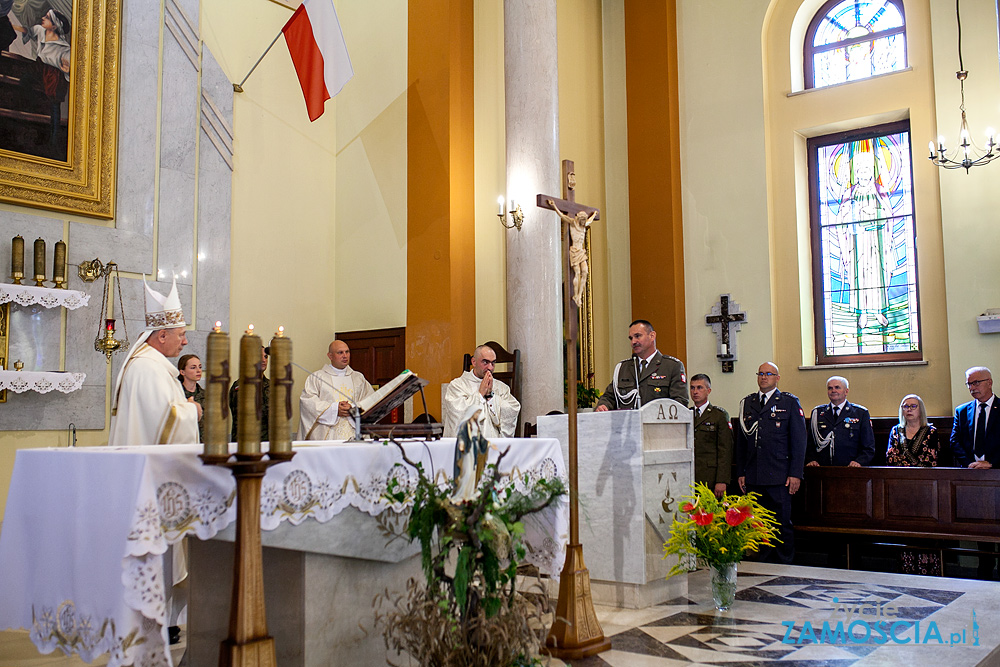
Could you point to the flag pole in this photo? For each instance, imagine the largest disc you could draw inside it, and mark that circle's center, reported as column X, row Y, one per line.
column 238, row 87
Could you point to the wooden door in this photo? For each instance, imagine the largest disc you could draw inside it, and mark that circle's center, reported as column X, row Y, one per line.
column 380, row 355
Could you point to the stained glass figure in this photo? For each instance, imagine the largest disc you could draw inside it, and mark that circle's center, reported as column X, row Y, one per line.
column 855, row 40
column 866, row 243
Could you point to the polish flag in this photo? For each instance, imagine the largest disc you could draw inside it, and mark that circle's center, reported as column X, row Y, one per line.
column 318, row 52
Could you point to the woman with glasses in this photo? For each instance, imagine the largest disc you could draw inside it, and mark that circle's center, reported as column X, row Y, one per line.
column 913, row 442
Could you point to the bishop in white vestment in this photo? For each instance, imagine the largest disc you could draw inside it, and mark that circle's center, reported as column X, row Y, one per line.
column 478, row 387
column 148, row 406
column 327, row 397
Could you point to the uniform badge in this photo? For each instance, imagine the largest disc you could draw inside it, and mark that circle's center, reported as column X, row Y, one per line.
column 656, row 389
column 683, row 378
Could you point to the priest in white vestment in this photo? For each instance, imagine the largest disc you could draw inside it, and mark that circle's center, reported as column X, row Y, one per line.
column 325, row 404
column 148, row 406
column 478, row 387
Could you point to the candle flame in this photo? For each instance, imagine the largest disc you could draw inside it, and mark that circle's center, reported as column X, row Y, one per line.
column 250, row 330
column 218, row 326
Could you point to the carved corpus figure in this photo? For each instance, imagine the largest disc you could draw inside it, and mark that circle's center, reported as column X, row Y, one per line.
column 578, row 225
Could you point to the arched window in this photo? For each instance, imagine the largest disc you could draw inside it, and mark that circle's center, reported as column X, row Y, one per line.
column 864, row 246
column 850, row 40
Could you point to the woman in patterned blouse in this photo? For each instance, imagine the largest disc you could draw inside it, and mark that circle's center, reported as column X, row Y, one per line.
column 913, row 441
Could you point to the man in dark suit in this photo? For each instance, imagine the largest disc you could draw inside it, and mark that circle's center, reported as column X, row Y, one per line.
column 841, row 431
column 975, row 438
column 713, row 438
column 644, row 377
column 770, row 454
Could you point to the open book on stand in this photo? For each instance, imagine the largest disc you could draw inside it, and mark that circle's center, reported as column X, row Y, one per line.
column 387, row 398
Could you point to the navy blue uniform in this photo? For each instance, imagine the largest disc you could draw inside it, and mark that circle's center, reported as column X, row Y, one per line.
column 836, row 441
column 770, row 448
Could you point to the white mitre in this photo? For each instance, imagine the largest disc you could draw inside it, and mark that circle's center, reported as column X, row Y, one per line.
column 163, row 312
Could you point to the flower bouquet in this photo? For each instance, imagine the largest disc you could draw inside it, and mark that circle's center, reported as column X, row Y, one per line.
column 719, row 531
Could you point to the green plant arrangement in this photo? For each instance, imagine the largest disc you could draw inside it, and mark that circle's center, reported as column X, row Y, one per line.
column 719, row 531
column 466, row 610
column 586, row 397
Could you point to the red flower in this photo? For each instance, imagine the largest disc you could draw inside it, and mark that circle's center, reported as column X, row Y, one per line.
column 687, row 507
column 735, row 517
column 702, row 518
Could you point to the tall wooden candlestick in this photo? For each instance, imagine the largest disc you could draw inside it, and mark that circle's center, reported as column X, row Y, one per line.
column 40, row 262
column 17, row 259
column 59, row 266
column 250, row 402
column 216, row 404
column 280, row 408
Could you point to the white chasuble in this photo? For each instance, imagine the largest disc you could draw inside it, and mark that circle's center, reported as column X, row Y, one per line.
column 149, row 407
column 321, row 396
column 499, row 414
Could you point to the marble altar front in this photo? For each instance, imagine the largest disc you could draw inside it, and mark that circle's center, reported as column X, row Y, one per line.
column 633, row 466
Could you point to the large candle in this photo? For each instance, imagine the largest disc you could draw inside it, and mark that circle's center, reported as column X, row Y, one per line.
column 216, row 416
column 59, row 265
column 280, row 408
column 17, row 259
column 40, row 262
column 250, row 402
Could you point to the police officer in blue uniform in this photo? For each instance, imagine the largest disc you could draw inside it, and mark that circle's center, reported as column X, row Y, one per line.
column 770, row 454
column 841, row 431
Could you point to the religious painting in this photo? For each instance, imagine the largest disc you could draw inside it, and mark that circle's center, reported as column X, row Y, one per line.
column 59, row 68
column 865, row 273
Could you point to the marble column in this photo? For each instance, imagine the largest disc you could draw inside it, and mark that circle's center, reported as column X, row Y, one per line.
column 534, row 264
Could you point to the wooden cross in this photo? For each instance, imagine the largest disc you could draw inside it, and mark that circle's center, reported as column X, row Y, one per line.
column 576, row 632
column 568, row 203
column 223, row 379
column 722, row 321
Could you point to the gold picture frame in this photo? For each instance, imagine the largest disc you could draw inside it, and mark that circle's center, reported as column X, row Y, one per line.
column 83, row 183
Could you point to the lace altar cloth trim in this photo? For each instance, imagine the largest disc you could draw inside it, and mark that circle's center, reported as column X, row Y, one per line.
column 48, row 297
column 41, row 381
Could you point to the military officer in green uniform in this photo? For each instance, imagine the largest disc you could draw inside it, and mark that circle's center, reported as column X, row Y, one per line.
column 713, row 438
column 646, row 376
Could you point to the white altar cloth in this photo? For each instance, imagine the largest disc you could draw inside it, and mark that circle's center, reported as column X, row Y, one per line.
column 84, row 531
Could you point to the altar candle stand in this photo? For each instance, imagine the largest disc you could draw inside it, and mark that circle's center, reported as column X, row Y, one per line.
column 280, row 407
column 17, row 259
column 248, row 644
column 59, row 266
column 215, row 418
column 40, row 262
column 249, row 404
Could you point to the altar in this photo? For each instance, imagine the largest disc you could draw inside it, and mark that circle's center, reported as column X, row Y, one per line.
column 85, row 530
column 633, row 467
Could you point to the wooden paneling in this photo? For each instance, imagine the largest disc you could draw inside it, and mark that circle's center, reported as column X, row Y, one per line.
column 379, row 354
column 947, row 503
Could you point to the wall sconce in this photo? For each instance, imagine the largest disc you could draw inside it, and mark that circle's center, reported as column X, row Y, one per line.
column 517, row 216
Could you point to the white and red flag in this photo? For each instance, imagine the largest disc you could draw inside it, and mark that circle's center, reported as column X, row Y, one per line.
column 318, row 52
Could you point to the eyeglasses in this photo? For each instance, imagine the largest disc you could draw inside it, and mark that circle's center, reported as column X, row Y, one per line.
column 907, row 406
column 976, row 383
column 766, row 375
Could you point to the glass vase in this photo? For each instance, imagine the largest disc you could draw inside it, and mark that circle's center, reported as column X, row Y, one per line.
column 723, row 585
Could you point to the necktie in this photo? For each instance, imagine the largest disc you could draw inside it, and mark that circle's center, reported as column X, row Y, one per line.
column 980, row 445
column 763, row 400
column 836, row 414
column 642, row 366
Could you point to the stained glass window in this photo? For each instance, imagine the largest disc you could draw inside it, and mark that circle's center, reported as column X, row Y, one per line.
column 864, row 252
column 854, row 39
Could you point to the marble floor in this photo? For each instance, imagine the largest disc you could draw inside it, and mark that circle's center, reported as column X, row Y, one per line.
column 780, row 609
column 777, row 613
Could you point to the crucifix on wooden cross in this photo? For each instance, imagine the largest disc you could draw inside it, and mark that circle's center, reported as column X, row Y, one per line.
column 578, row 219
column 725, row 322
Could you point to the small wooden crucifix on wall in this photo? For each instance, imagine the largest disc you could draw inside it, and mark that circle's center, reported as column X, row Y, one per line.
column 726, row 319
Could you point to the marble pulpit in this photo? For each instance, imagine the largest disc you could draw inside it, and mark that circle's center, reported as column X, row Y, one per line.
column 633, row 467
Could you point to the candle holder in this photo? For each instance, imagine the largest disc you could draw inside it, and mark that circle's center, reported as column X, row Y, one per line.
column 105, row 341
column 17, row 259
column 59, row 266
column 39, row 262
column 108, row 344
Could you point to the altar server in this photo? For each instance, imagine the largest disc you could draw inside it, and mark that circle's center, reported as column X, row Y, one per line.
column 329, row 393
column 148, row 406
column 479, row 387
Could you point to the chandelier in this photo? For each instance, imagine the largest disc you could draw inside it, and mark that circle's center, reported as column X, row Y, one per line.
column 968, row 154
